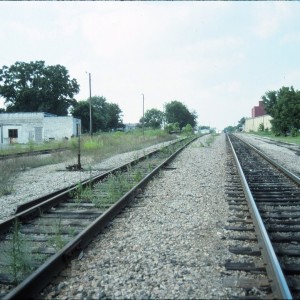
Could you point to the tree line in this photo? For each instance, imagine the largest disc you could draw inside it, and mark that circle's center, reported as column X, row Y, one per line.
column 284, row 107
column 35, row 87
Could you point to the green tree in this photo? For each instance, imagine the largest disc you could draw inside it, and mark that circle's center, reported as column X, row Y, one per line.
column 153, row 118
column 230, row 129
column 82, row 111
column 114, row 114
column 284, row 107
column 269, row 100
column 34, row 87
column 241, row 122
column 172, row 127
column 105, row 116
column 175, row 111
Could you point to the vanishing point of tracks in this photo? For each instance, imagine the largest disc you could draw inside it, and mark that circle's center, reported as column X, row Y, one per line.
column 58, row 227
column 270, row 197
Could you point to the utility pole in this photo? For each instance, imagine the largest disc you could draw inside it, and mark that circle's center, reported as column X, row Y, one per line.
column 90, row 86
column 143, row 115
column 79, row 134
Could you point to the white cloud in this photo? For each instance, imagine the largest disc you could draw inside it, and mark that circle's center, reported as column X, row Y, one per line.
column 27, row 32
column 269, row 17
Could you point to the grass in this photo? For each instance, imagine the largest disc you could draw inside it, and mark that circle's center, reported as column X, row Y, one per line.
column 104, row 145
column 285, row 139
column 57, row 241
column 32, row 146
column 17, row 254
column 112, row 188
column 211, row 138
column 12, row 167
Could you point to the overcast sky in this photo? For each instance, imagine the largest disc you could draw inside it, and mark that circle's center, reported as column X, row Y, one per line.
column 218, row 58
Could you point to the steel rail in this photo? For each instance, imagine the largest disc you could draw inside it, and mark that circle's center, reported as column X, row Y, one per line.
column 279, row 285
column 287, row 172
column 33, row 284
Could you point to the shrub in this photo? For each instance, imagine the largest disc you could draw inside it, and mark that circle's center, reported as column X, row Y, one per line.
column 294, row 132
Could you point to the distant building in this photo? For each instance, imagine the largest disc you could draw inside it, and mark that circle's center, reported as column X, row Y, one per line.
column 37, row 127
column 259, row 110
column 130, row 126
column 204, row 129
column 259, row 117
column 253, row 124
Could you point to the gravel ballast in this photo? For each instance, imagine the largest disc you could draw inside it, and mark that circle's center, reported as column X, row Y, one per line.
column 287, row 156
column 168, row 243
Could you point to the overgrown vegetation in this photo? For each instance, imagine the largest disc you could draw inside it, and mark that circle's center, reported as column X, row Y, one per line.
column 272, row 135
column 211, row 138
column 56, row 240
column 17, row 254
column 32, row 146
column 95, row 149
column 10, row 168
column 108, row 191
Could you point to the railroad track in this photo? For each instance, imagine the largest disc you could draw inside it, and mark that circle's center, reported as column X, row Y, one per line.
column 31, row 153
column 45, row 234
column 269, row 198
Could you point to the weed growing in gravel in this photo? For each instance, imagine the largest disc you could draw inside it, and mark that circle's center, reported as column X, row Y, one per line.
column 82, row 193
column 114, row 187
column 109, row 143
column 71, row 231
column 57, row 241
column 7, row 175
column 11, row 168
column 17, row 254
column 210, row 139
column 76, row 193
column 166, row 151
column 138, row 176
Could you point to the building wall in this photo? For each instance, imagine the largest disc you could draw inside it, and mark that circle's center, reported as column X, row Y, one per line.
column 259, row 110
column 25, row 123
column 252, row 124
column 57, row 128
column 37, row 127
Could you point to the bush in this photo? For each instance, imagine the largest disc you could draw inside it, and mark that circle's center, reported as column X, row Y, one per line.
column 188, row 129
column 261, row 127
column 294, row 132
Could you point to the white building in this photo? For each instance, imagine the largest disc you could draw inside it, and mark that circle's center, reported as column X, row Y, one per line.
column 130, row 126
column 253, row 124
column 37, row 127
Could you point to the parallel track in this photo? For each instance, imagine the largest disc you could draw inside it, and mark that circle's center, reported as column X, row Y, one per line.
column 71, row 217
column 31, row 153
column 273, row 194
